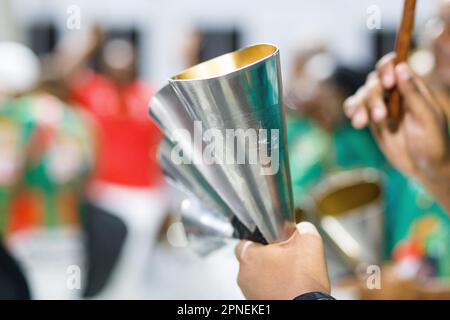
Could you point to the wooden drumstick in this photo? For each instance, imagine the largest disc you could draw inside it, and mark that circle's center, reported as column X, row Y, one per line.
column 402, row 48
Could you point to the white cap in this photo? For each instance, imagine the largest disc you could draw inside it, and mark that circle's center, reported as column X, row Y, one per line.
column 19, row 68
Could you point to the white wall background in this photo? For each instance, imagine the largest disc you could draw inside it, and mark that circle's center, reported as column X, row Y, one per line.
column 287, row 23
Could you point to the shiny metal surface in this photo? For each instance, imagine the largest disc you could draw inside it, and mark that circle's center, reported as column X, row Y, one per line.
column 170, row 115
column 187, row 179
column 199, row 221
column 206, row 233
column 243, row 90
column 205, row 229
column 349, row 210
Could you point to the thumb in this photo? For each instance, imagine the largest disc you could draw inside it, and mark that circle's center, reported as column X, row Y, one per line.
column 310, row 247
column 308, row 237
column 307, row 228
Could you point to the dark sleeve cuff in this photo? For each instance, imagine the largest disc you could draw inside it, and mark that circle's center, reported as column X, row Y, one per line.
column 314, row 296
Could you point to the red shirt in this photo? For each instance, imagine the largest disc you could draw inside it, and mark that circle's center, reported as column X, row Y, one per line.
column 128, row 137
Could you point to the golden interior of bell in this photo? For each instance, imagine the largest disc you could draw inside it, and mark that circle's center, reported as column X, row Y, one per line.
column 348, row 198
column 227, row 63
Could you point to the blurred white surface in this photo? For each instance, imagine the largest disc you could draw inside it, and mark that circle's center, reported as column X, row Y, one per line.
column 46, row 257
column 166, row 24
column 179, row 273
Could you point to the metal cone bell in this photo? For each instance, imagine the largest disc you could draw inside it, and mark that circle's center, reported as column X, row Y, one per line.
column 172, row 117
column 212, row 212
column 235, row 101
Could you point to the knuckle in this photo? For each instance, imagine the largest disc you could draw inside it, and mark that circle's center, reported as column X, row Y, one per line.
column 385, row 61
column 371, row 76
column 348, row 103
column 372, row 86
column 361, row 94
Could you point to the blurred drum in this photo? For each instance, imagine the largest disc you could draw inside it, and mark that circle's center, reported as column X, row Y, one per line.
column 349, row 210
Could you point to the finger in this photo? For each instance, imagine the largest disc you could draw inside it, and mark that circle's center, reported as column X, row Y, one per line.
column 306, row 240
column 376, row 104
column 416, row 98
column 377, row 130
column 243, row 248
column 378, row 109
column 307, row 228
column 381, row 133
column 385, row 69
column 361, row 117
column 352, row 103
column 350, row 106
column 310, row 245
column 368, row 103
column 426, row 93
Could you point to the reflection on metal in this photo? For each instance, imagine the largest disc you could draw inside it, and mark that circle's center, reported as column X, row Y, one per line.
column 206, row 233
column 170, row 115
column 239, row 90
column 187, row 179
column 348, row 205
column 200, row 222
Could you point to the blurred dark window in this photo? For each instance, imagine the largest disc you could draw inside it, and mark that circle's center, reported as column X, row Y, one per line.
column 350, row 79
column 383, row 42
column 42, row 37
column 217, row 42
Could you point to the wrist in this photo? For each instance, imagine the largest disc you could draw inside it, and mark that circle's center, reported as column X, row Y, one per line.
column 314, row 296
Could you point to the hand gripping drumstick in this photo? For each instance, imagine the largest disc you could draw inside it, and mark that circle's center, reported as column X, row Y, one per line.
column 402, row 48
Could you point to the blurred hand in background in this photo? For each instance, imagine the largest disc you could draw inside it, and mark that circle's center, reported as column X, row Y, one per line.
column 420, row 147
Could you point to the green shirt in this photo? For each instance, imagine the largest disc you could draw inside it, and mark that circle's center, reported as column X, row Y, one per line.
column 314, row 152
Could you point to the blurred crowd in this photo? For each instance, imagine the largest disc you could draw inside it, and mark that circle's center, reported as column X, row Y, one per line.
column 80, row 182
column 78, row 150
column 416, row 235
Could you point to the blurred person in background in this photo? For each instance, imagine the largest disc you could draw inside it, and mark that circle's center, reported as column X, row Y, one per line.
column 420, row 149
column 127, row 183
column 320, row 139
column 45, row 159
column 13, row 80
